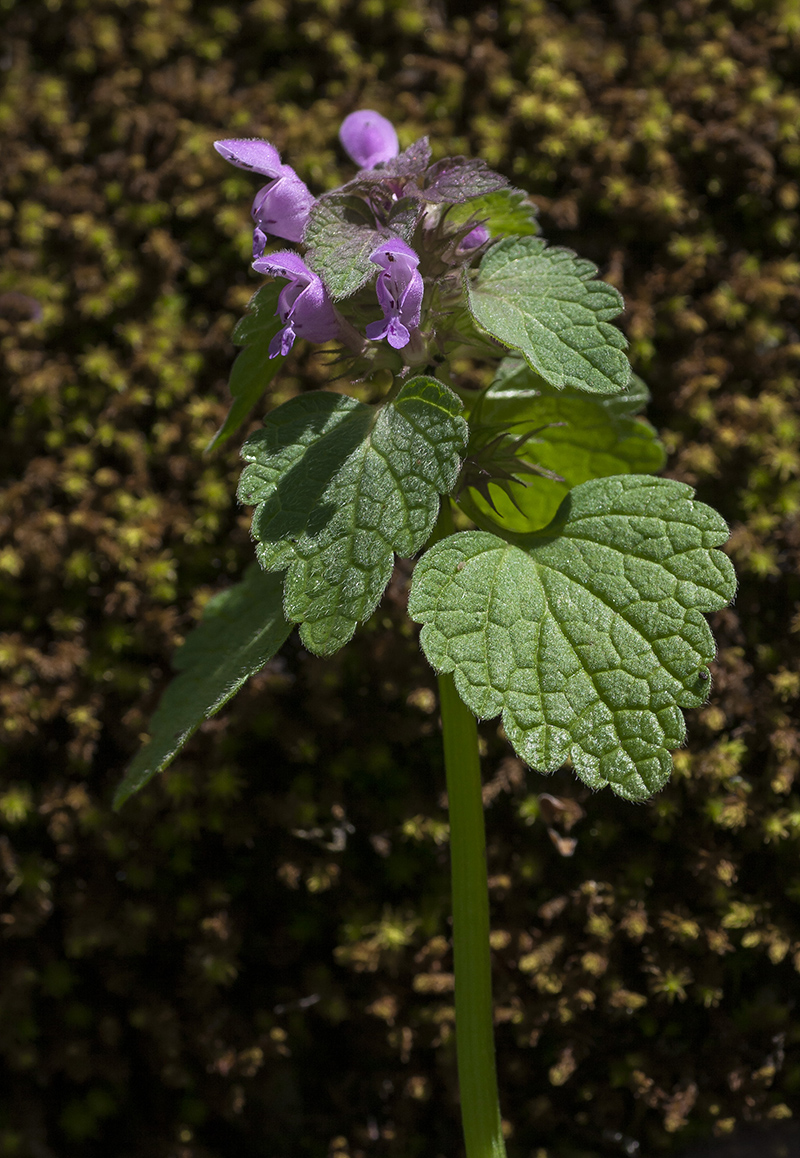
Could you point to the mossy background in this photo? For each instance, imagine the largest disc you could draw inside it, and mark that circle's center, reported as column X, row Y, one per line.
column 252, row 958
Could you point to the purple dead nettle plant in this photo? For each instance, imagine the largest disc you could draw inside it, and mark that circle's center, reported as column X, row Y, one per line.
column 571, row 603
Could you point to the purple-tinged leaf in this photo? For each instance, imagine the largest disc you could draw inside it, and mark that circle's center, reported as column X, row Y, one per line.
column 407, row 165
column 457, row 179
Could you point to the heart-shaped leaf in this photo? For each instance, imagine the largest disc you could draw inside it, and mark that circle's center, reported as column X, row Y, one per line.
column 339, row 487
column 340, row 235
column 547, row 304
column 589, row 637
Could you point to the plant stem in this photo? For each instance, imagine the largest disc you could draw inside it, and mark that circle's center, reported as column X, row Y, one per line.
column 477, row 1077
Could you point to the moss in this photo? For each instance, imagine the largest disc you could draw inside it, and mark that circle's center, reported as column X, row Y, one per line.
column 254, row 955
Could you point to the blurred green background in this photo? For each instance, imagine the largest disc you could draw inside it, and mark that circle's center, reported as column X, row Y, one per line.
column 252, row 958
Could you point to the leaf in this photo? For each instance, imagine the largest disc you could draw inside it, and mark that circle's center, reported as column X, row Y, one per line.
column 341, row 235
column 547, row 304
column 585, row 436
column 339, row 486
column 402, row 216
column 253, row 369
column 514, row 378
column 457, row 179
column 588, row 637
column 506, row 212
column 410, row 163
column 241, row 629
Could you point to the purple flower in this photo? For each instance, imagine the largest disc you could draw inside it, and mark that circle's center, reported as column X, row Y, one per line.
column 303, row 305
column 282, row 206
column 368, row 138
column 399, row 289
column 475, row 238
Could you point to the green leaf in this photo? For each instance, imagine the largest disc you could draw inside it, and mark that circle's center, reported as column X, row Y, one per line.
column 253, row 369
column 514, row 378
column 241, row 629
column 506, row 212
column 589, row 637
column 339, row 486
column 585, row 436
column 547, row 304
column 341, row 235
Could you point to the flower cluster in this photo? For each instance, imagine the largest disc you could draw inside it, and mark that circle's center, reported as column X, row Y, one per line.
column 398, row 246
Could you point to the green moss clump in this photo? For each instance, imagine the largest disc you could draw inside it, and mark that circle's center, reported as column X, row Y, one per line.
column 253, row 957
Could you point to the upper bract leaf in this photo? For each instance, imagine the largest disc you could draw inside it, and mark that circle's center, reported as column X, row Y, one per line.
column 253, row 369
column 547, row 304
column 456, row 179
column 240, row 630
column 339, row 486
column 588, row 637
column 410, row 163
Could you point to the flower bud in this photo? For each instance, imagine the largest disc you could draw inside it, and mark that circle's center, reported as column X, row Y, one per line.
column 368, row 138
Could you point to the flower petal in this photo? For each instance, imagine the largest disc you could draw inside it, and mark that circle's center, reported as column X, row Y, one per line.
column 284, row 263
column 475, row 238
column 283, row 207
column 395, row 252
column 313, row 314
column 283, row 341
column 259, row 242
column 368, row 138
column 252, row 153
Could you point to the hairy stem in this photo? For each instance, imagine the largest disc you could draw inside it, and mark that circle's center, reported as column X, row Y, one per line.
column 477, row 1078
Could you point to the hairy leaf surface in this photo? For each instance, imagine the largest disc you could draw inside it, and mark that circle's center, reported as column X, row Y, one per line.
column 588, row 637
column 253, row 369
column 339, row 487
column 457, row 179
column 241, row 630
column 547, row 304
column 341, row 235
column 412, row 162
column 585, row 436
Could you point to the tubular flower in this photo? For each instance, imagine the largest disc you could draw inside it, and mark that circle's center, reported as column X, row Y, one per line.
column 303, row 305
column 282, row 206
column 399, row 288
column 368, row 138
column 474, row 239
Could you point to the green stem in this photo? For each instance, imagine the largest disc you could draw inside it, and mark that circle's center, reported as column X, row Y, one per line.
column 477, row 1078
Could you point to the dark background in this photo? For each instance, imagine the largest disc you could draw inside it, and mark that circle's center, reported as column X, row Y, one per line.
column 252, row 959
